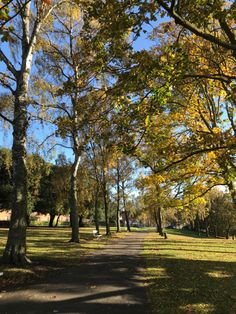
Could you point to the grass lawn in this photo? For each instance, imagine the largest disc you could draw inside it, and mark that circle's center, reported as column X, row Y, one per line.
column 190, row 274
column 49, row 250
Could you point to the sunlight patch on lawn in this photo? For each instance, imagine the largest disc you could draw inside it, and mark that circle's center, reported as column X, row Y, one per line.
column 219, row 274
column 198, row 308
column 188, row 274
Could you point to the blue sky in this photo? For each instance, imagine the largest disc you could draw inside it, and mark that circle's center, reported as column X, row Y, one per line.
column 36, row 130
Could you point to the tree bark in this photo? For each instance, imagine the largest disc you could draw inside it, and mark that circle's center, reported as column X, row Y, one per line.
column 106, row 208
column 198, row 224
column 124, row 205
column 232, row 190
column 160, row 229
column 118, row 197
column 57, row 221
column 227, row 232
column 51, row 220
column 81, row 224
column 15, row 250
column 96, row 209
column 74, row 199
column 105, row 201
column 156, row 220
column 207, row 228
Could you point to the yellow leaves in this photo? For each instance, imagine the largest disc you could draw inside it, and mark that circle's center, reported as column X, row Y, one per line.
column 223, row 94
column 159, row 179
column 147, row 120
column 163, row 58
column 216, row 130
column 153, row 180
column 211, row 155
column 94, row 24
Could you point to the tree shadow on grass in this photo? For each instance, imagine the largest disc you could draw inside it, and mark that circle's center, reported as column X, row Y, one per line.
column 186, row 285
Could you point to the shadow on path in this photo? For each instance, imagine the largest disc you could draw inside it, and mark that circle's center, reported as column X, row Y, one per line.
column 108, row 281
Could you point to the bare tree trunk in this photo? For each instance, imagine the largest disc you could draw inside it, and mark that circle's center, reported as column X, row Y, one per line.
column 127, row 221
column 207, row 228
column 51, row 220
column 156, row 220
column 96, row 209
column 125, row 211
column 118, row 197
column 227, row 232
column 198, row 224
column 105, row 201
column 232, row 190
column 15, row 251
column 57, row 221
column 106, row 208
column 160, row 229
column 74, row 199
column 81, row 224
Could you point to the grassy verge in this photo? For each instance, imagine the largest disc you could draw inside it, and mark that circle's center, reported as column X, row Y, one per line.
column 189, row 274
column 49, row 250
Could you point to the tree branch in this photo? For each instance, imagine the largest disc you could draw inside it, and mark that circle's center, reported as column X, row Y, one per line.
column 5, row 118
column 14, row 15
column 8, row 64
column 194, row 29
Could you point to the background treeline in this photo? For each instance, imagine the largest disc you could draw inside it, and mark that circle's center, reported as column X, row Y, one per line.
column 49, row 190
column 49, row 186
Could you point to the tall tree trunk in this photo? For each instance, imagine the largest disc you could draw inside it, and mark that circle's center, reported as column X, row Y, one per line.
column 51, row 220
column 118, row 197
column 106, row 208
column 216, row 231
column 105, row 201
column 15, row 250
column 124, row 205
column 81, row 224
column 156, row 220
column 207, row 230
column 232, row 190
column 74, row 199
column 192, row 225
column 57, row 221
column 160, row 229
column 198, row 224
column 96, row 209
column 227, row 232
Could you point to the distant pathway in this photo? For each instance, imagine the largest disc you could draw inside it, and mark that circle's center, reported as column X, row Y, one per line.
column 109, row 281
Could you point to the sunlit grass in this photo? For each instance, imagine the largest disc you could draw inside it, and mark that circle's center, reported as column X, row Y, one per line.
column 189, row 274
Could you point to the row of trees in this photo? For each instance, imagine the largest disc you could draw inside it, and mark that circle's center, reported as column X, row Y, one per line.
column 212, row 214
column 71, row 65
column 49, row 189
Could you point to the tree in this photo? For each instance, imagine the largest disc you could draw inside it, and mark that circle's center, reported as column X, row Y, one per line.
column 222, row 216
column 212, row 21
column 54, row 190
column 77, row 73
column 16, row 79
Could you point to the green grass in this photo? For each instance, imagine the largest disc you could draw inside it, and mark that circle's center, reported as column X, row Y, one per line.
column 49, row 250
column 190, row 274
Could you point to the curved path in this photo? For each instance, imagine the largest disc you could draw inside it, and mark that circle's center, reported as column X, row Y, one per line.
column 110, row 281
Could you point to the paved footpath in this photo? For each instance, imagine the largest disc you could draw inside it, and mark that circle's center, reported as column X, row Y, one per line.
column 110, row 281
